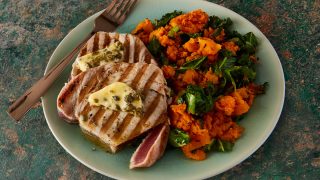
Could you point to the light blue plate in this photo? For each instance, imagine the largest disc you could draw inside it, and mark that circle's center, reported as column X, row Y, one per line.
column 259, row 122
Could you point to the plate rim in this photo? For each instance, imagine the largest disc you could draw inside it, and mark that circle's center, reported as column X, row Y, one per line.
column 204, row 175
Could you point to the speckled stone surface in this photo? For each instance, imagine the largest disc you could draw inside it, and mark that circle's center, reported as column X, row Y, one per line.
column 31, row 29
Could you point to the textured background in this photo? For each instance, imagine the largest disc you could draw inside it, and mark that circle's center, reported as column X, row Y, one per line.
column 31, row 29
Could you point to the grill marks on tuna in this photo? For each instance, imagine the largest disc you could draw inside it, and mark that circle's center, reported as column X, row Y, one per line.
column 123, row 125
column 115, row 127
column 95, row 46
column 98, row 115
column 106, row 126
column 152, row 78
column 134, row 49
column 137, row 78
column 126, row 73
column 152, row 107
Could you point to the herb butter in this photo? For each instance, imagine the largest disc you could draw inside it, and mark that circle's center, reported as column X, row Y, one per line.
column 114, row 52
column 117, row 96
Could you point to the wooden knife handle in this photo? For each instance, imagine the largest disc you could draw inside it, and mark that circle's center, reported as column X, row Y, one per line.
column 24, row 103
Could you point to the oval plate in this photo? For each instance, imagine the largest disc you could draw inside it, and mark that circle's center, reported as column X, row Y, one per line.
column 259, row 122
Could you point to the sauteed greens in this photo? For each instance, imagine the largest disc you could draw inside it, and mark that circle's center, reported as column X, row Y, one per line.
column 211, row 69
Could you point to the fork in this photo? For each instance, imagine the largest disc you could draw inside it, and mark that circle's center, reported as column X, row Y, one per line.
column 113, row 16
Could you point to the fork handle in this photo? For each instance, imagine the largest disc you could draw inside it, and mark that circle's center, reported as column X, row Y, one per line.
column 24, row 103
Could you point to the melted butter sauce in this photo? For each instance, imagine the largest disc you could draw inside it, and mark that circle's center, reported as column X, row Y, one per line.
column 114, row 52
column 117, row 96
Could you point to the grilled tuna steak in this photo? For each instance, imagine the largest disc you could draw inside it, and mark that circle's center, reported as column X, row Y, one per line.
column 134, row 49
column 113, row 128
column 152, row 147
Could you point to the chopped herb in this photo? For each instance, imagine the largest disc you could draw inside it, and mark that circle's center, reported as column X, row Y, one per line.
column 139, row 111
column 116, row 98
column 173, row 31
column 129, row 98
column 142, row 96
column 195, row 35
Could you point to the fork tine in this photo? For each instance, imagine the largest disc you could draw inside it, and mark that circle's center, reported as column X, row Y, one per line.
column 121, row 10
column 117, row 11
column 125, row 13
column 109, row 9
column 111, row 5
column 114, row 10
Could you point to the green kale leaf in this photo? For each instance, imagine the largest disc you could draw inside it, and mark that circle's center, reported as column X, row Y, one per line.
column 251, row 42
column 247, row 43
column 244, row 60
column 237, row 75
column 154, row 47
column 216, row 22
column 163, row 59
column 225, row 53
column 223, row 65
column 166, row 18
column 178, row 138
column 198, row 102
column 219, row 24
column 240, row 76
column 219, row 146
column 194, row 64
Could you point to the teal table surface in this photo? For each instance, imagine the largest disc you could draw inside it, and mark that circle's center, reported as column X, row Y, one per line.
column 30, row 30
